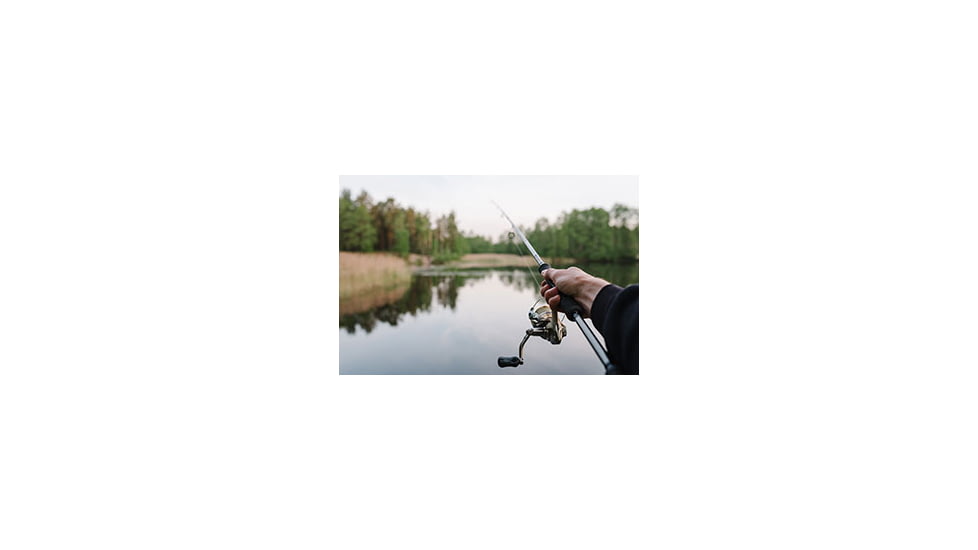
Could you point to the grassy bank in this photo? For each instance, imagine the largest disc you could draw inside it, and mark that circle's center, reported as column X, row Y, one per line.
column 367, row 278
column 490, row 260
column 361, row 272
column 502, row 260
column 370, row 280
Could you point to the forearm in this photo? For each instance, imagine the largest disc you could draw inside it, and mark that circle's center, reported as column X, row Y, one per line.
column 615, row 315
column 588, row 293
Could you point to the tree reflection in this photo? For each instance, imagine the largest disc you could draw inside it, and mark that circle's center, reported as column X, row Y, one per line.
column 430, row 288
column 520, row 279
column 619, row 274
column 424, row 292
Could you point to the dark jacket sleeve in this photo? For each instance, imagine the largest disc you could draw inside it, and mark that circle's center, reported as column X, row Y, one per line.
column 615, row 314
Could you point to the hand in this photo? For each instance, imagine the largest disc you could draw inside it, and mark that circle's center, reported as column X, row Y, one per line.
column 573, row 282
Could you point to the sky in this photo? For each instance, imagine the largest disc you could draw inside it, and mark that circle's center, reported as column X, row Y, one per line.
column 525, row 198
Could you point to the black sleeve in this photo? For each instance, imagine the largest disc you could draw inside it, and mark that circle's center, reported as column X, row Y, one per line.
column 615, row 314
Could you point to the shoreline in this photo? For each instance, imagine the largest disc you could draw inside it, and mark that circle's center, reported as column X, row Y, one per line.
column 364, row 268
column 372, row 279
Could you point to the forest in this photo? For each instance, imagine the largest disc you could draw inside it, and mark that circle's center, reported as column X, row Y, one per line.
column 590, row 235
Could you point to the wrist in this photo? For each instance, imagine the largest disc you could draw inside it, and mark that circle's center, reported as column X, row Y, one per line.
column 590, row 292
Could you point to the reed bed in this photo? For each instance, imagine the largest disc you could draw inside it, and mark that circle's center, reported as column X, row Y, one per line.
column 501, row 260
column 376, row 273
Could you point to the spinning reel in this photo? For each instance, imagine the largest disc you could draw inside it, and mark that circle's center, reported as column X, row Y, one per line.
column 542, row 318
column 544, row 324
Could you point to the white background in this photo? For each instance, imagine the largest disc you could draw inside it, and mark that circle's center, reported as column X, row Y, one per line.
column 168, row 299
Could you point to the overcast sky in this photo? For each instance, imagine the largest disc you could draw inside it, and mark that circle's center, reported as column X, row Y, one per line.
column 525, row 198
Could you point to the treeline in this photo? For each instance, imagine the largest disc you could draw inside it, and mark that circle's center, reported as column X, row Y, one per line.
column 368, row 226
column 591, row 235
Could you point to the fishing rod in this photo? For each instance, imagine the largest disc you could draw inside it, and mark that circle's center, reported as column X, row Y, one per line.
column 544, row 321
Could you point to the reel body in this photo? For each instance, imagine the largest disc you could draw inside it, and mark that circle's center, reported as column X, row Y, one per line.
column 543, row 323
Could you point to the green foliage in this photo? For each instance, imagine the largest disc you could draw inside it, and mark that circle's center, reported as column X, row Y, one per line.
column 387, row 226
column 477, row 244
column 591, row 235
column 357, row 232
column 402, row 238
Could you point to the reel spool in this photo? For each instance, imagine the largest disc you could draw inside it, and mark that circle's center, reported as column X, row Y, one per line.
column 544, row 324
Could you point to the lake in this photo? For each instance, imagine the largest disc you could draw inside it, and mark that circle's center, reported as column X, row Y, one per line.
column 459, row 321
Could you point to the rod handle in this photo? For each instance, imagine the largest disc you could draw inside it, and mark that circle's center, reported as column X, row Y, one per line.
column 568, row 304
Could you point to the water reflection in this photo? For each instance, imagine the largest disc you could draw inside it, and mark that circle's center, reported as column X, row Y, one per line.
column 459, row 322
column 619, row 274
column 520, row 279
column 441, row 287
column 425, row 290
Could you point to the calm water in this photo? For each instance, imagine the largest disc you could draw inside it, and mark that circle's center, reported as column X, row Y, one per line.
column 459, row 322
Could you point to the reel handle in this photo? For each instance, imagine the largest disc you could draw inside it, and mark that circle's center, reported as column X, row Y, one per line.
column 568, row 304
column 512, row 361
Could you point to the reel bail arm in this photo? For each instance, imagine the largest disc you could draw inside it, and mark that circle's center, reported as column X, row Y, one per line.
column 568, row 304
column 543, row 325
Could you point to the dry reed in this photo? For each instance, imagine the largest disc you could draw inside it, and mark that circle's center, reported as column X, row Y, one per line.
column 362, row 274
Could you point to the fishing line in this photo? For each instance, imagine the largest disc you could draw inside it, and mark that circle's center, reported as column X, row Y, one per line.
column 532, row 274
column 542, row 320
